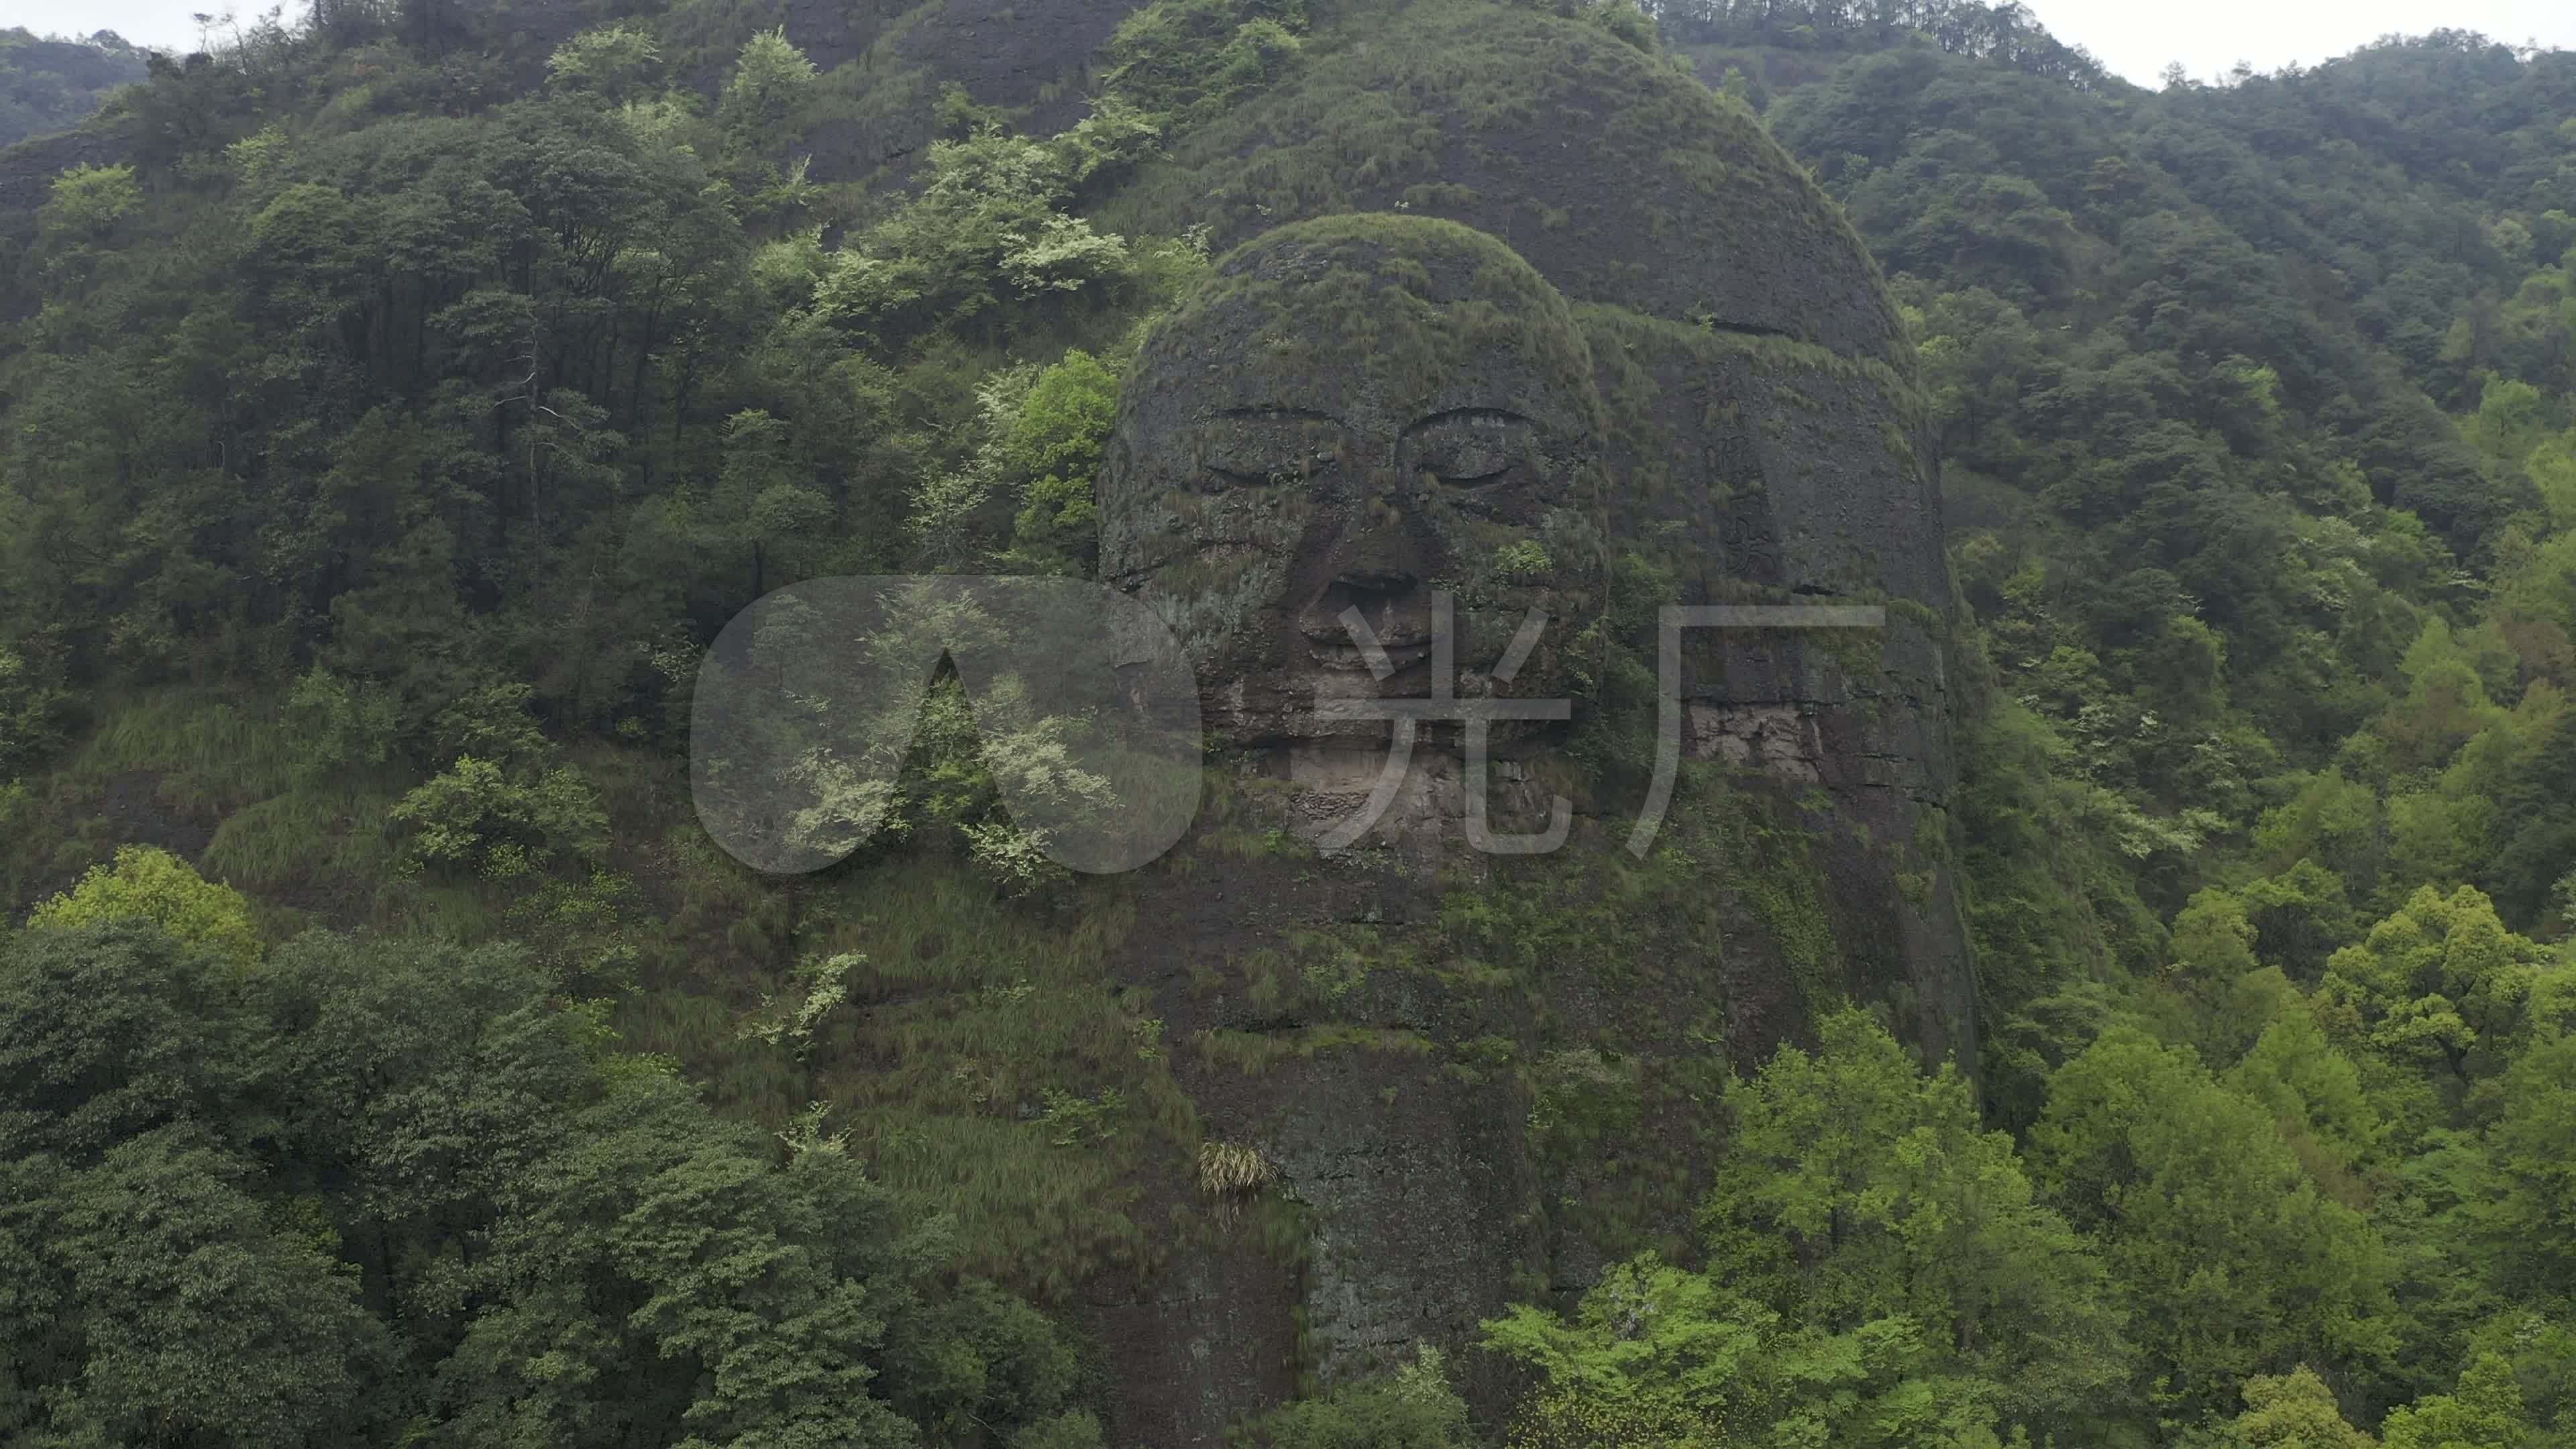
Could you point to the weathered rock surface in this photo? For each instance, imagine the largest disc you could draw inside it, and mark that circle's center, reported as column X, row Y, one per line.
column 1453, row 1135
column 1356, row 415
column 1621, row 180
column 28, row 169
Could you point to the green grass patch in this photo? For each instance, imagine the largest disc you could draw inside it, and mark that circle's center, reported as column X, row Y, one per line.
column 280, row 845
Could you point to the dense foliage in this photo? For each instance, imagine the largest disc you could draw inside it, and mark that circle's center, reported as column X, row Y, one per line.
column 379, row 1191
column 383, row 443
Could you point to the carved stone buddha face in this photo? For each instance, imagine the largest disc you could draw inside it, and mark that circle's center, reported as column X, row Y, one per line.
column 1353, row 417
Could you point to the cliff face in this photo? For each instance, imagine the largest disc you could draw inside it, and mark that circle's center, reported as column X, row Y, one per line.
column 28, row 169
column 1484, row 1076
column 1762, row 439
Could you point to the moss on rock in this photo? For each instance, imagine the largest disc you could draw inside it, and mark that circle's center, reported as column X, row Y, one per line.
column 1621, row 180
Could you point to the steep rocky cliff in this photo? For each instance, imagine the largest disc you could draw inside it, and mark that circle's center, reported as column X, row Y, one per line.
column 28, row 169
column 1467, row 1077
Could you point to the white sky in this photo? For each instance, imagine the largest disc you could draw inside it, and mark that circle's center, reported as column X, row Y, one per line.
column 2136, row 40
column 2133, row 37
column 162, row 23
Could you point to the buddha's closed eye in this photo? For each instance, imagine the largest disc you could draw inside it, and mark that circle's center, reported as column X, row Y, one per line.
column 1251, row 449
column 1472, row 447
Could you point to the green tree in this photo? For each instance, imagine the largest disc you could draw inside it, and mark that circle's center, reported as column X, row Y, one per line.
column 86, row 202
column 2532, row 1219
column 2317, row 1097
column 387, row 1190
column 659, row 1208
column 1190, row 59
column 1656, row 1357
column 481, row 818
column 2332, row 820
column 32, row 711
column 150, row 884
column 987, row 227
column 617, row 63
column 107, row 1032
column 2233, row 1260
column 1054, row 446
column 2484, row 1412
column 1856, row 1188
column 2294, row 1411
column 764, row 108
column 153, row 1299
column 2441, row 983
column 345, row 725
column 760, row 505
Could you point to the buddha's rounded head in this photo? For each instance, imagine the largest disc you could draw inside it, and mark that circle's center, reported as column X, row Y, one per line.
column 1353, row 419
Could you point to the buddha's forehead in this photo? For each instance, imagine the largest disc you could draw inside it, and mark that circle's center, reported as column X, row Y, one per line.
column 1378, row 324
column 1623, row 182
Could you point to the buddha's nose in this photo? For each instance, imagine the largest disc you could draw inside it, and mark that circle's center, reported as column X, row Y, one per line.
column 1381, row 556
column 1377, row 568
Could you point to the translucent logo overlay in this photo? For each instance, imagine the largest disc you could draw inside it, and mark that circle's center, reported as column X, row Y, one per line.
column 810, row 700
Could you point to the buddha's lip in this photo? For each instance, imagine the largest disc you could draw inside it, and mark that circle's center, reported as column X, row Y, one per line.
column 1340, row 639
column 1334, row 633
column 1343, row 655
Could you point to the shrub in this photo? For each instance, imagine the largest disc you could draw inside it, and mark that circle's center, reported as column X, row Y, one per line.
column 1414, row 1408
column 1231, row 1172
column 153, row 885
column 1192, row 58
column 343, row 724
column 499, row 824
column 31, row 714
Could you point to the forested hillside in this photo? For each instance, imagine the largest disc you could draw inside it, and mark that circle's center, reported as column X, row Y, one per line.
column 54, row 85
column 388, row 1057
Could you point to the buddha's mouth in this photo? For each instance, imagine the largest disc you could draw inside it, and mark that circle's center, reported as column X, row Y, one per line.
column 1391, row 657
column 1385, row 637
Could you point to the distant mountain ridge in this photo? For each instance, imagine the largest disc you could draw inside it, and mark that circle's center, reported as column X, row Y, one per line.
column 52, row 84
